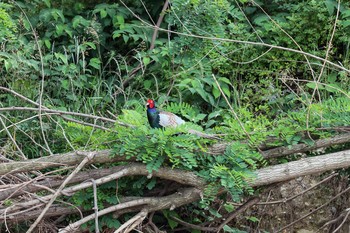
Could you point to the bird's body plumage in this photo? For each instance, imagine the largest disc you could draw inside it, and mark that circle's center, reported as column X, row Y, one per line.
column 160, row 119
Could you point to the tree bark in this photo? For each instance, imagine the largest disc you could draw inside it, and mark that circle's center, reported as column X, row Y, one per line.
column 71, row 158
column 302, row 167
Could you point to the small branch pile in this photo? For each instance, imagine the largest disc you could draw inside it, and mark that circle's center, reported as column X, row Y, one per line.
column 20, row 201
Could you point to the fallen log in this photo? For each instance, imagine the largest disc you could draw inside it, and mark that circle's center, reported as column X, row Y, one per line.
column 264, row 176
column 71, row 158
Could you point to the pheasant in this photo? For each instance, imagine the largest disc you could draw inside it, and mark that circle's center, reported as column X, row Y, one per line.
column 160, row 119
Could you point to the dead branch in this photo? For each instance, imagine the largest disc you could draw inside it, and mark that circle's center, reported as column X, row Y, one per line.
column 177, row 175
column 301, row 193
column 149, row 204
column 89, row 156
column 133, row 222
column 11, row 191
column 220, row 148
column 252, row 201
column 54, row 210
column 300, row 148
column 71, row 158
column 303, row 167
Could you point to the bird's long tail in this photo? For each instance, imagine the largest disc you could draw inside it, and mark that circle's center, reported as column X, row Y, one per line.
column 203, row 135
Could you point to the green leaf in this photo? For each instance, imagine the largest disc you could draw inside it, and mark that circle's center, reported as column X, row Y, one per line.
column 26, row 25
column 7, row 65
column 215, row 213
column 69, row 32
column 120, row 19
column 59, row 29
column 90, row 44
column 312, row 85
column 62, row 57
column 125, row 38
column 95, row 63
column 345, row 23
column 232, row 230
column 168, row 214
column 65, row 84
column 79, row 20
column 151, row 184
column 214, row 114
column 333, row 87
column 147, row 84
column 48, row 3
column 216, row 92
column 346, row 13
column 331, row 5
column 225, row 80
column 252, row 219
column 308, row 142
column 229, row 207
column 225, row 88
column 103, row 14
column 261, row 19
column 146, row 60
column 47, row 43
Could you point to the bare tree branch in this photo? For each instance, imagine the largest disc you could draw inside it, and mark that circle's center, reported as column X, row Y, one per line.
column 89, row 156
column 302, row 167
column 300, row 148
column 282, row 151
column 240, row 209
column 149, row 204
column 71, row 158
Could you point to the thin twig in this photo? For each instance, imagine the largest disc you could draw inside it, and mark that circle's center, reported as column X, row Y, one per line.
column 239, row 210
column 153, row 40
column 12, row 139
column 342, row 223
column 286, row 33
column 88, row 157
column 61, row 112
column 322, row 69
column 22, row 131
column 76, row 224
column 298, row 194
column 193, row 226
column 159, row 21
column 14, row 108
column 233, row 111
column 313, row 211
column 130, row 224
column 94, row 187
column 42, row 72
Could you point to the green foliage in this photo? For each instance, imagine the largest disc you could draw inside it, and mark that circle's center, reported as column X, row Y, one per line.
column 179, row 149
column 89, row 49
column 81, row 136
column 8, row 27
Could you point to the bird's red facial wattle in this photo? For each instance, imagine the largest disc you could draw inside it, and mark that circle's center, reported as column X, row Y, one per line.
column 150, row 103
